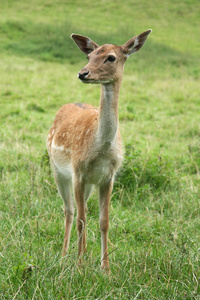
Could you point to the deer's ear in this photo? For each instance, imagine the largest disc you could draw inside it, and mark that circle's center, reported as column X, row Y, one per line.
column 134, row 44
column 85, row 44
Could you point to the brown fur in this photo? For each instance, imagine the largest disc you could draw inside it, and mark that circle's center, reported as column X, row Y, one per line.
column 84, row 143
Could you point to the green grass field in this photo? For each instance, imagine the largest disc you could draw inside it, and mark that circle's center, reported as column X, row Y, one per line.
column 154, row 238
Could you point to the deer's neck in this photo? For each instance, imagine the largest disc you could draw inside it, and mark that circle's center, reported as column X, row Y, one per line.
column 108, row 114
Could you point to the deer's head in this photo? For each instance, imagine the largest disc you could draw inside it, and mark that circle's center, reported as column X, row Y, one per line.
column 106, row 63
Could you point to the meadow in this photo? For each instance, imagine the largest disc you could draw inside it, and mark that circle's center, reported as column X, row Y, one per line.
column 154, row 238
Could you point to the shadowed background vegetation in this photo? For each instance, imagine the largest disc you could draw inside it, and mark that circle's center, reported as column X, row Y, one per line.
column 154, row 212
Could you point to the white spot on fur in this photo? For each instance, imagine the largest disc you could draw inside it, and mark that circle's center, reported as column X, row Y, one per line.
column 59, row 148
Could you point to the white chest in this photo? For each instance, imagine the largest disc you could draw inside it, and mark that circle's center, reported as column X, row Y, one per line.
column 98, row 171
column 101, row 169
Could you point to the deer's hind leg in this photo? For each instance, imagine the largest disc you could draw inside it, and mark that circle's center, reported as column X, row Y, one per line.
column 81, row 193
column 64, row 187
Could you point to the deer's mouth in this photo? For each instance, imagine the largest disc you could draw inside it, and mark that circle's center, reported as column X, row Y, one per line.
column 93, row 81
column 88, row 80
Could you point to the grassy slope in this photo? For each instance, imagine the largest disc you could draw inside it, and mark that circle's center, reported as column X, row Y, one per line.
column 154, row 230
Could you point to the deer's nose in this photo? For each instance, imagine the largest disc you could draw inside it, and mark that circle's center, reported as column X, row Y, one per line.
column 83, row 74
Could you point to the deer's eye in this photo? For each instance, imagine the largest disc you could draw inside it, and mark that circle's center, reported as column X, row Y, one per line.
column 110, row 58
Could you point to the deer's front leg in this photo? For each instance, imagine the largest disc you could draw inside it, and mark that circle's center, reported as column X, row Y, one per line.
column 104, row 200
column 81, row 215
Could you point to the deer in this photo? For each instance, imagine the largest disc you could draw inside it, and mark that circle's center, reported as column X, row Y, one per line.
column 84, row 143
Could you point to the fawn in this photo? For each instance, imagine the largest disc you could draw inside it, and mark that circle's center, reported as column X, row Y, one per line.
column 84, row 143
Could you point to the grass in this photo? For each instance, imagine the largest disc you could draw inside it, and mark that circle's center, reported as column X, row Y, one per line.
column 154, row 213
